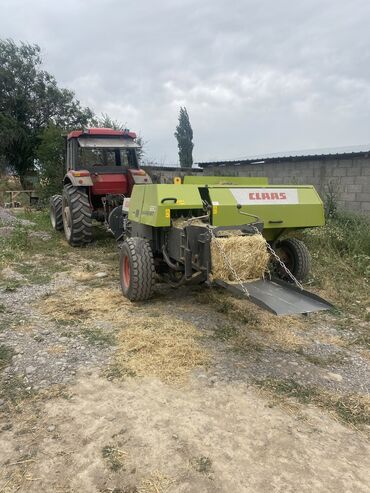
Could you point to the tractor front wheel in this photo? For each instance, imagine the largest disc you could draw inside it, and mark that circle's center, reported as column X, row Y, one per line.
column 137, row 273
column 77, row 220
column 295, row 256
column 56, row 212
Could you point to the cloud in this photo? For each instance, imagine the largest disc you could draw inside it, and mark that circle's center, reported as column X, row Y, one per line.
column 257, row 76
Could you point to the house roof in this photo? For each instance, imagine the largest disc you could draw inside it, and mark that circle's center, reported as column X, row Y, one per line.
column 349, row 152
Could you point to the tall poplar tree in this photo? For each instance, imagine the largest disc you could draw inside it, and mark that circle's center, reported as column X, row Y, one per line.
column 184, row 136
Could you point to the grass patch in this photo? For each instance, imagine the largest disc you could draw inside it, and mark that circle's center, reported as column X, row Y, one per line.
column 117, row 372
column 362, row 340
column 225, row 332
column 340, row 253
column 324, row 360
column 238, row 338
column 6, row 354
column 201, row 464
column 99, row 337
column 114, row 457
column 289, row 388
column 233, row 308
column 10, row 286
column 65, row 323
column 40, row 271
column 353, row 409
column 19, row 246
column 9, row 320
column 41, row 219
column 13, row 389
column 249, row 328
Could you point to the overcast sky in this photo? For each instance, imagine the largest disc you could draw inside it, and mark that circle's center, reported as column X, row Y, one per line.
column 257, row 76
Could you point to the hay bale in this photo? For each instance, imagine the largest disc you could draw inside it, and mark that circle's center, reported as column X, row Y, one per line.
column 181, row 222
column 247, row 255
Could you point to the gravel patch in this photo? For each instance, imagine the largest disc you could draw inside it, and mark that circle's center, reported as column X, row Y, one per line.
column 45, row 353
column 9, row 218
column 6, row 231
column 40, row 235
column 317, row 363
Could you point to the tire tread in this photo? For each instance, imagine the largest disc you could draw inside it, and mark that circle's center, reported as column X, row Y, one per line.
column 302, row 258
column 142, row 271
column 56, row 211
column 81, row 229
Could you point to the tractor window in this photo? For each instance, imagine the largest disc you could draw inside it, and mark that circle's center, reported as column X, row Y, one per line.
column 107, row 158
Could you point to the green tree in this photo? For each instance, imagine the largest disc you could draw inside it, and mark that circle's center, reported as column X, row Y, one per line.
column 51, row 161
column 105, row 121
column 30, row 101
column 184, row 136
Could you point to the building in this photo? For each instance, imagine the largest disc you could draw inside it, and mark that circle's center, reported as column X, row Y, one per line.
column 343, row 175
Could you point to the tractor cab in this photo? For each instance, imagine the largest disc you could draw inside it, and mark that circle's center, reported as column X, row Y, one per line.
column 107, row 157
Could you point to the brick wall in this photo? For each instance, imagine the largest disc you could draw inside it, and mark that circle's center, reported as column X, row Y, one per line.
column 347, row 179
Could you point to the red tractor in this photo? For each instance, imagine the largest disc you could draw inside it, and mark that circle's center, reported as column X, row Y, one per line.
column 102, row 168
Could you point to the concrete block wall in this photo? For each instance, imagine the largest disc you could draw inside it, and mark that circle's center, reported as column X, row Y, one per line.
column 347, row 179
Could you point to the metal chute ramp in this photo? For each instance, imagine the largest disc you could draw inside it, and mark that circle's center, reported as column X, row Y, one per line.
column 278, row 296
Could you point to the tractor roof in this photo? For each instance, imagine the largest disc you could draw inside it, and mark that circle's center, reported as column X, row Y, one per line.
column 101, row 132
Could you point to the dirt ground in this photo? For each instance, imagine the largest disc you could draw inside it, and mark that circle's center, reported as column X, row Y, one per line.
column 193, row 391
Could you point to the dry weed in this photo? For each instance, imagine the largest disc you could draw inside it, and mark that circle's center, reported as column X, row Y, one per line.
column 82, row 276
column 57, row 349
column 267, row 328
column 84, row 306
column 353, row 409
column 156, row 483
column 163, row 347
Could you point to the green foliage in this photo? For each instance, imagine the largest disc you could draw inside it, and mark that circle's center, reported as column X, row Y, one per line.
column 344, row 234
column 202, row 464
column 184, row 136
column 19, row 246
column 113, row 456
column 50, row 156
column 30, row 100
column 353, row 409
column 100, row 337
column 340, row 253
column 105, row 121
column 331, row 199
column 6, row 354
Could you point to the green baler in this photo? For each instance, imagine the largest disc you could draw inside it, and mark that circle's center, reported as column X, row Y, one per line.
column 167, row 230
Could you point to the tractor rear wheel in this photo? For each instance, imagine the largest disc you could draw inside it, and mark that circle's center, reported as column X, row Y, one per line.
column 56, row 213
column 77, row 220
column 136, row 268
column 295, row 256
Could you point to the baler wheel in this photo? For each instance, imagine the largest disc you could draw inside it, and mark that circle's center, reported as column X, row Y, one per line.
column 77, row 218
column 56, row 212
column 296, row 257
column 137, row 273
